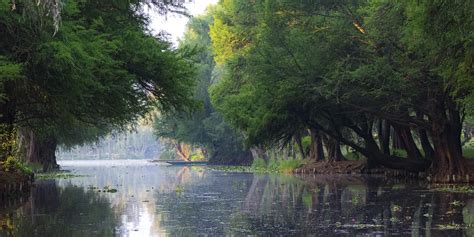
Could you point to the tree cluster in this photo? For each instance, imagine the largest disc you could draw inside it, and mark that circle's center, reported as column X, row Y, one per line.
column 392, row 80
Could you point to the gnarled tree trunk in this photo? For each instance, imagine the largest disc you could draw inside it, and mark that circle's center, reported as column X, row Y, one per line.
column 259, row 152
column 384, row 136
column 40, row 151
column 316, row 151
column 446, row 136
column 299, row 143
column 333, row 148
column 407, row 142
column 183, row 150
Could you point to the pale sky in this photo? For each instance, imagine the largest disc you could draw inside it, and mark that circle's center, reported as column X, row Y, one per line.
column 176, row 24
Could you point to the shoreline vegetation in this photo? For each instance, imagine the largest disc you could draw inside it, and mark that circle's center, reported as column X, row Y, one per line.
column 380, row 87
column 16, row 179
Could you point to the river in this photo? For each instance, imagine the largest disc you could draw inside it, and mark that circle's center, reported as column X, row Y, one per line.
column 139, row 198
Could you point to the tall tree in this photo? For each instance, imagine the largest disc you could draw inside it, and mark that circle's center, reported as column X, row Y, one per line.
column 101, row 71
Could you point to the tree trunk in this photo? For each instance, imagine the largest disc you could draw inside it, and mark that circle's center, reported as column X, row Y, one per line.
column 183, row 150
column 259, row 152
column 424, row 139
column 299, row 143
column 407, row 142
column 371, row 150
column 41, row 151
column 334, row 149
column 316, row 151
column 384, row 136
column 376, row 157
column 47, row 152
column 425, row 144
column 396, row 141
column 446, row 136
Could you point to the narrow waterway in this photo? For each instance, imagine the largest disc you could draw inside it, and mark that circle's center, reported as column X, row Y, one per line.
column 139, row 198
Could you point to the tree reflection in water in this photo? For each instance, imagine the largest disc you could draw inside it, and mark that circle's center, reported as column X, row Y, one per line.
column 285, row 205
column 67, row 211
column 157, row 200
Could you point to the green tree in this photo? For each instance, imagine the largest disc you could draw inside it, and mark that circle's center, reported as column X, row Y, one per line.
column 204, row 127
column 101, row 71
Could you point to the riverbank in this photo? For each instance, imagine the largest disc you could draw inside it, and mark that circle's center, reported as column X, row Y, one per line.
column 347, row 167
column 360, row 167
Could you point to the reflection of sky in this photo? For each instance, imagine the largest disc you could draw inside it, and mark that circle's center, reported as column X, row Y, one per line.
column 134, row 202
column 137, row 182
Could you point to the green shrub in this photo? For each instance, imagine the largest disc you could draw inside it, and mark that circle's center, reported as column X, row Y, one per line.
column 197, row 157
column 11, row 164
column 287, row 166
column 259, row 163
column 399, row 153
column 275, row 165
column 306, row 142
column 468, row 151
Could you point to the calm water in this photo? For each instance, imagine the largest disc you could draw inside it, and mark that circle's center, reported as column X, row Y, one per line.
column 160, row 200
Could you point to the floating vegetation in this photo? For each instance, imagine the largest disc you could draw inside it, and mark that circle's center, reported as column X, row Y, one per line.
column 231, row 168
column 247, row 169
column 58, row 175
column 456, row 189
column 396, row 208
column 451, row 226
column 179, row 189
column 457, row 203
column 108, row 189
column 362, row 226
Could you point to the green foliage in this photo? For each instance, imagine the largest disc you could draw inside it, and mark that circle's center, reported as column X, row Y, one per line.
column 275, row 165
column 259, row 163
column 339, row 68
column 306, row 142
column 399, row 152
column 456, row 189
column 203, row 127
column 12, row 164
column 101, row 71
column 468, row 152
column 198, row 156
column 57, row 175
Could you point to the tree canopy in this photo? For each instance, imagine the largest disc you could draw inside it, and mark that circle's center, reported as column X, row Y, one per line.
column 351, row 70
column 101, row 71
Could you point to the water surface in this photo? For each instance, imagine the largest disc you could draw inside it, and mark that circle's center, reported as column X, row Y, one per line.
column 159, row 200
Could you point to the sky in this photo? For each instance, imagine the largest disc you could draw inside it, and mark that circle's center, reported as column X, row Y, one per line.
column 175, row 24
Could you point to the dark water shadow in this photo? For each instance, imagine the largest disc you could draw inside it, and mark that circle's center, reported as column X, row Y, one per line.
column 65, row 211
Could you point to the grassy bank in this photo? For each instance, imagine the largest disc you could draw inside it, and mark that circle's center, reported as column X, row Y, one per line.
column 260, row 166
